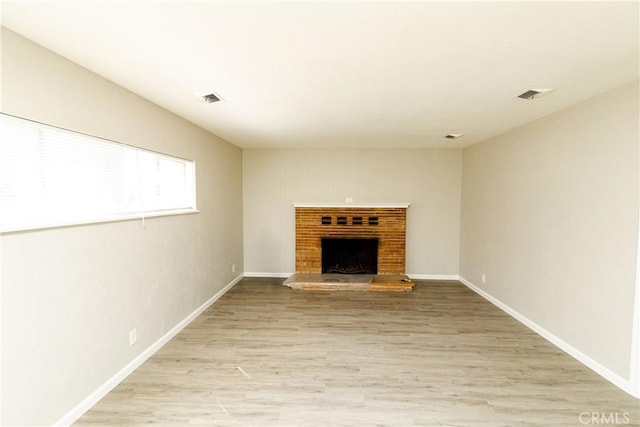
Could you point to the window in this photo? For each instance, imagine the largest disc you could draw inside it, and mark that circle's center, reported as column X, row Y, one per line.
column 51, row 177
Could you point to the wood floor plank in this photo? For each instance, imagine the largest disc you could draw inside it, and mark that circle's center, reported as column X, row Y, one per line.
column 267, row 355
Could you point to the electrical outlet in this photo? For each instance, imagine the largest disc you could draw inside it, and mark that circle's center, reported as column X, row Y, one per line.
column 233, row 268
column 349, row 199
column 484, row 279
column 133, row 336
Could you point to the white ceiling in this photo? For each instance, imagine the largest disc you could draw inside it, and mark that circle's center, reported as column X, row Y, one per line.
column 346, row 74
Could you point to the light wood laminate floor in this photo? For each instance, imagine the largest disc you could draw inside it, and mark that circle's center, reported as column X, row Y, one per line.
column 266, row 355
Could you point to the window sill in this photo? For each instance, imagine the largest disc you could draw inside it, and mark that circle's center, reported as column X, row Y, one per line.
column 127, row 217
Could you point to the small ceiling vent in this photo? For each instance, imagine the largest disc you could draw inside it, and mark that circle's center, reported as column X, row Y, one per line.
column 210, row 98
column 453, row 135
column 534, row 93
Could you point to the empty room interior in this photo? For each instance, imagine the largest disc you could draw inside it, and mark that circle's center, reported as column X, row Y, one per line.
column 329, row 213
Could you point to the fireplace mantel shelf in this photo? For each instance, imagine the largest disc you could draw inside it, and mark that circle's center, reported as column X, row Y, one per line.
column 351, row 205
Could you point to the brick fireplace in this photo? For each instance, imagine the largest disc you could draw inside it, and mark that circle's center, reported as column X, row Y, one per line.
column 385, row 223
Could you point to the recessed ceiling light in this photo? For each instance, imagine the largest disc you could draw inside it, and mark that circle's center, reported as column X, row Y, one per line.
column 535, row 93
column 453, row 135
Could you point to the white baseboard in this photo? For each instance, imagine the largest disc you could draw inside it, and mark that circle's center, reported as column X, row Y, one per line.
column 603, row 371
column 86, row 404
column 433, row 276
column 267, row 274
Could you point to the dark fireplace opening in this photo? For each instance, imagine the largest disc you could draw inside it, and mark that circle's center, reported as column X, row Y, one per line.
column 349, row 256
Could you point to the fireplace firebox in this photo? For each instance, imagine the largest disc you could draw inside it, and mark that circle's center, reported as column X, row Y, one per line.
column 349, row 256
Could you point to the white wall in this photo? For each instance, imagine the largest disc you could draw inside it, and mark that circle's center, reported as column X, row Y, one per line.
column 429, row 179
column 550, row 215
column 70, row 295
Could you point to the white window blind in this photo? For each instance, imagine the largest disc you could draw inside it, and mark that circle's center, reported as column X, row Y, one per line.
column 51, row 176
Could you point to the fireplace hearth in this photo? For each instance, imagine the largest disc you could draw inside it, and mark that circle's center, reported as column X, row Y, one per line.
column 349, row 256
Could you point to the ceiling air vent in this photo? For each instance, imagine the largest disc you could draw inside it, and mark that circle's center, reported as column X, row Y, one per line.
column 453, row 135
column 210, row 98
column 534, row 93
